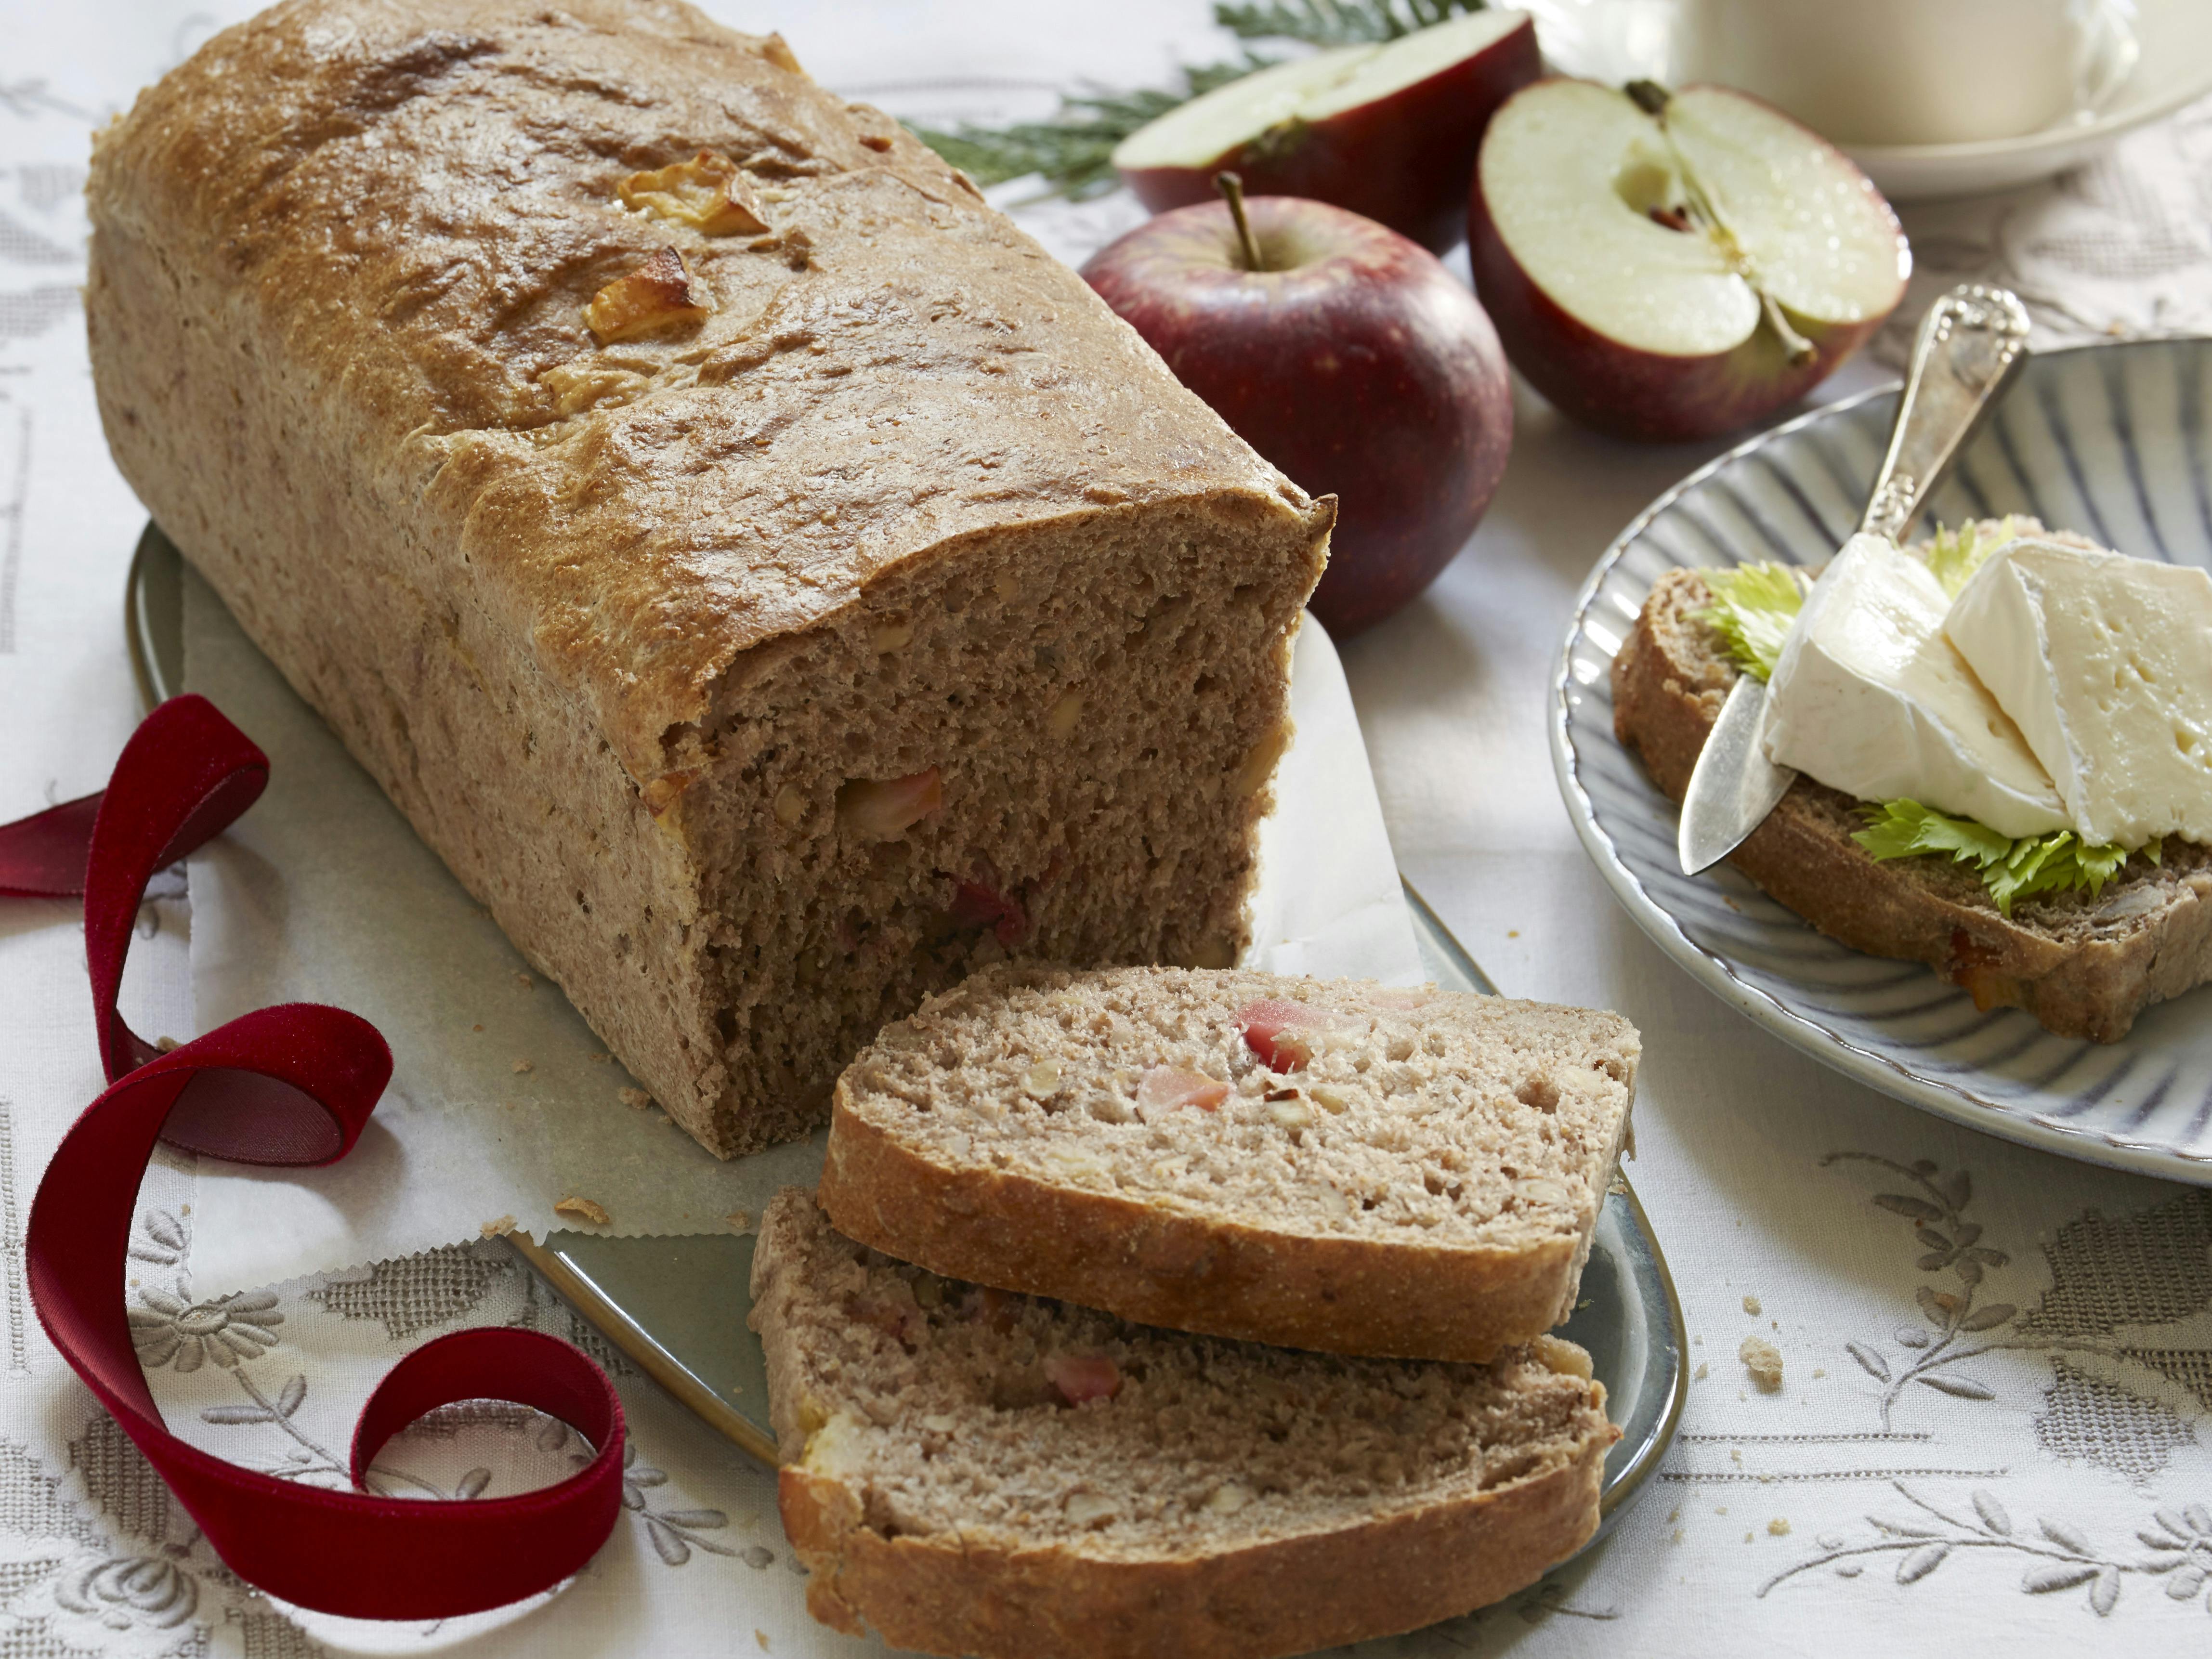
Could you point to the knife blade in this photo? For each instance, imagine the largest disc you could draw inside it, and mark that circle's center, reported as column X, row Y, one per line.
column 1734, row 785
column 1969, row 346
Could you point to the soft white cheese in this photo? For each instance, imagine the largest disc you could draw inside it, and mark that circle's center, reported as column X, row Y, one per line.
column 2106, row 664
column 1870, row 698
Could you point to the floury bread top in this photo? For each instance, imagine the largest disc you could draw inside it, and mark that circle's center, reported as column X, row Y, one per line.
column 412, row 203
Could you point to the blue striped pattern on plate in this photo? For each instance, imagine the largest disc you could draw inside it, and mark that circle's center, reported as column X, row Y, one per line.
column 2108, row 440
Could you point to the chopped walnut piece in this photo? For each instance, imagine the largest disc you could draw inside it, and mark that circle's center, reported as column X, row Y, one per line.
column 583, row 1209
column 883, row 809
column 707, row 193
column 659, row 296
column 1089, row 1509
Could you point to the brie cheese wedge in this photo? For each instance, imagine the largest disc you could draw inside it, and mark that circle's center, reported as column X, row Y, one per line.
column 1870, row 697
column 2105, row 662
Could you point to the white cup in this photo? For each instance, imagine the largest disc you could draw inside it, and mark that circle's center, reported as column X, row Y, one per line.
column 1871, row 72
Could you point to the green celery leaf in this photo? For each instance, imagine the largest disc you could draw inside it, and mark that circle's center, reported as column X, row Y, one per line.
column 2011, row 869
column 1753, row 606
column 1954, row 555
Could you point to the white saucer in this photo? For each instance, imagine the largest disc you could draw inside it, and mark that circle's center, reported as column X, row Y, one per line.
column 1616, row 40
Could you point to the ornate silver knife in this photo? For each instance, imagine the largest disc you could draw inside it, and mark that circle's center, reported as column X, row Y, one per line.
column 1969, row 346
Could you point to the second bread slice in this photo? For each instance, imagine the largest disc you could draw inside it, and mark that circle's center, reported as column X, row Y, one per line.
column 1319, row 1164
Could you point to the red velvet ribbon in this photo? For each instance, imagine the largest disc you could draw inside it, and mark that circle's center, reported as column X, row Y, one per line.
column 287, row 1085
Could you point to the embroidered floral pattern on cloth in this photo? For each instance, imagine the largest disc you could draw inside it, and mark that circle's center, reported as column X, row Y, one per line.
column 1945, row 1390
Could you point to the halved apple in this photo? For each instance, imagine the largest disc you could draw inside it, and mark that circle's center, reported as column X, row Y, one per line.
column 1675, row 267
column 1388, row 130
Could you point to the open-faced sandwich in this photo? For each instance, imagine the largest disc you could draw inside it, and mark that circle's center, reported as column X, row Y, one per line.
column 2004, row 736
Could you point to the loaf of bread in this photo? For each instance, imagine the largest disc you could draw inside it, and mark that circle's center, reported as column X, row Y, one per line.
column 772, row 584
column 973, row 1473
column 1325, row 1164
column 2083, row 964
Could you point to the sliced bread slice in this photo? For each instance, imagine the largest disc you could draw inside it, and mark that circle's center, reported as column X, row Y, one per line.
column 1321, row 1164
column 2084, row 966
column 974, row 1472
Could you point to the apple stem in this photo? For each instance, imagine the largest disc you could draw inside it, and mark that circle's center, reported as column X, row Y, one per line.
column 1800, row 349
column 1232, row 191
column 1653, row 99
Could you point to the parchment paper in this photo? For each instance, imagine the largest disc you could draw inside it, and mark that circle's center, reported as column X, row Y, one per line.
column 322, row 893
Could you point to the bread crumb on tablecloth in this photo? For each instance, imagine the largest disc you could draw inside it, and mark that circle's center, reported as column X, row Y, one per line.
column 1764, row 1361
column 524, row 981
column 740, row 1220
column 761, row 1636
column 1751, row 1306
column 637, row 1099
column 1700, row 1376
column 1778, row 1527
column 583, row 1208
column 498, row 1229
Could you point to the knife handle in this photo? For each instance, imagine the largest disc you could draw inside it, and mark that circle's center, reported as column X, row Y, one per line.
column 1970, row 344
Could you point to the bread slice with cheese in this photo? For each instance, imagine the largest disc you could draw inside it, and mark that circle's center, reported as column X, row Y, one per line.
column 970, row 1472
column 1323, row 1164
column 2084, row 965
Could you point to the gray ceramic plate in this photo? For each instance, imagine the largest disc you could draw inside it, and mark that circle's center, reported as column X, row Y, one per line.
column 2111, row 440
column 677, row 1306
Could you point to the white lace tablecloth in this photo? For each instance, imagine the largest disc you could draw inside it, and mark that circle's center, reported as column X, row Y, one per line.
column 2043, row 1476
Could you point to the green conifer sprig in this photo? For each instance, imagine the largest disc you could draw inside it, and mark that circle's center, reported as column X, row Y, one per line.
column 1337, row 22
column 1072, row 150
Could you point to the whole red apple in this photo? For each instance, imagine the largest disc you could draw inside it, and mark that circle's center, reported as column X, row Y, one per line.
column 1669, row 266
column 1350, row 357
column 1386, row 129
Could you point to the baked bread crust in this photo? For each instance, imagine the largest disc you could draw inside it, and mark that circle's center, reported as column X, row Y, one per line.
column 985, row 1589
column 1393, row 1575
column 2084, row 967
column 1261, row 1270
column 1188, row 1272
column 616, row 622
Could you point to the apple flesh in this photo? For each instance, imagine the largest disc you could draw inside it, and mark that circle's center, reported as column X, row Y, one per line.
column 1388, row 131
column 1353, row 360
column 1622, row 301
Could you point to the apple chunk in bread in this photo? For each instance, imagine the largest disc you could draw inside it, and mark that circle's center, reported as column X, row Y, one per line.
column 658, row 296
column 1388, row 130
column 1670, row 268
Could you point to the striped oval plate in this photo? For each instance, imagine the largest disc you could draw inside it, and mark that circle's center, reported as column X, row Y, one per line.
column 2108, row 439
